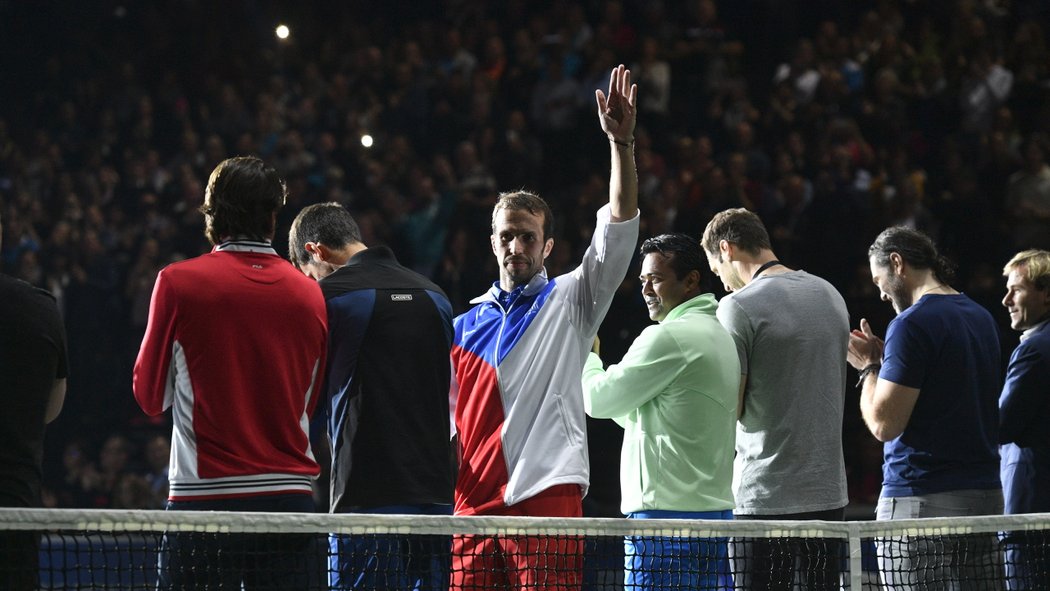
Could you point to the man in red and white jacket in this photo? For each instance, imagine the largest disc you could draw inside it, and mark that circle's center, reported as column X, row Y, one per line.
column 518, row 357
column 235, row 345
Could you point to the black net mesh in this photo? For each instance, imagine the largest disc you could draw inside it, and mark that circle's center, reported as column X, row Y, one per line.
column 164, row 550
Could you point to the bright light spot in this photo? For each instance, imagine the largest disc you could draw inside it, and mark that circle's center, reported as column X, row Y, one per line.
column 366, row 141
column 282, row 31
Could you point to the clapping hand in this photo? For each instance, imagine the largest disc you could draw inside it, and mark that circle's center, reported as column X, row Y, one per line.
column 864, row 347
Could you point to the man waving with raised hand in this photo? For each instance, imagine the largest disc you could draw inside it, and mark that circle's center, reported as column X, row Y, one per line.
column 518, row 356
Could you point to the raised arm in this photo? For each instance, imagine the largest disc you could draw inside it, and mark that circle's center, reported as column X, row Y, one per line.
column 617, row 114
column 652, row 362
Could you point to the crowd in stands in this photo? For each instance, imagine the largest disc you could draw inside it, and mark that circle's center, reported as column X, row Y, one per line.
column 830, row 120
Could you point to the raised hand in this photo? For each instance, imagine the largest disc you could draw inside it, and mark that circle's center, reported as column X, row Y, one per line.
column 618, row 111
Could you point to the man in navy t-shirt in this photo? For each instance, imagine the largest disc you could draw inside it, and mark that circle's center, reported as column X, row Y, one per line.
column 930, row 392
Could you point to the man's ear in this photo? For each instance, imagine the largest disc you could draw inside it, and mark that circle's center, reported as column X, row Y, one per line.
column 896, row 263
column 492, row 242
column 547, row 247
column 317, row 251
column 692, row 280
column 726, row 250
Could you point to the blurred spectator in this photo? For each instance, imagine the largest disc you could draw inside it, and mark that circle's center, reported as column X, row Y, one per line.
column 158, row 450
column 1028, row 196
column 77, row 467
column 985, row 87
column 101, row 484
column 801, row 72
column 132, row 491
column 653, row 75
column 424, row 229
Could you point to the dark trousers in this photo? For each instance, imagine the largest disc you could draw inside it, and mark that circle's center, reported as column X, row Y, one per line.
column 1027, row 560
column 771, row 564
column 196, row 560
column 19, row 560
column 390, row 562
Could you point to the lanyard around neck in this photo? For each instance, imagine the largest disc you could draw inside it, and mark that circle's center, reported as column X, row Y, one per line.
column 772, row 263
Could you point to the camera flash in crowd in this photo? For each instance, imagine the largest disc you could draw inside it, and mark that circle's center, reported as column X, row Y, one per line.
column 282, row 31
column 366, row 141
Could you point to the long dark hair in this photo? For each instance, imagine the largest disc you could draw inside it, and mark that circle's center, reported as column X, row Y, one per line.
column 916, row 248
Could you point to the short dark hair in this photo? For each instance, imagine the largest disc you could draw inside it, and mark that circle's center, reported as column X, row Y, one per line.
column 245, row 194
column 531, row 202
column 682, row 251
column 916, row 248
column 739, row 226
column 327, row 223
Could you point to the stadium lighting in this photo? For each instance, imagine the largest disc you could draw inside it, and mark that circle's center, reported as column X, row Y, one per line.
column 282, row 31
column 367, row 141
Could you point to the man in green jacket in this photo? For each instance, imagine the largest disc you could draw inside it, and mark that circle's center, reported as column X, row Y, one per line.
column 675, row 395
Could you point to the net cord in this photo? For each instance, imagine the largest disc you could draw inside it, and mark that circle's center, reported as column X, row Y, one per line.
column 361, row 523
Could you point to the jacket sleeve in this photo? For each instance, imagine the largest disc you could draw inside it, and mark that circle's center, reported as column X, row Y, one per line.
column 604, row 266
column 153, row 379
column 318, row 390
column 1022, row 405
column 647, row 369
column 453, row 399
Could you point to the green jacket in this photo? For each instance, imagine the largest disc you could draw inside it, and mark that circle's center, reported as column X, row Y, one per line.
column 675, row 394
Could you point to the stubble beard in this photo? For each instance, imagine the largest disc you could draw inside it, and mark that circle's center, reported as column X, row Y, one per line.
column 899, row 296
column 520, row 276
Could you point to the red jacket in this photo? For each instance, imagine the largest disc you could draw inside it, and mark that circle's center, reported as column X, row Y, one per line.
column 236, row 344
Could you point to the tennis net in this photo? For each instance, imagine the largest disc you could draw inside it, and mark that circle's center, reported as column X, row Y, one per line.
column 99, row 549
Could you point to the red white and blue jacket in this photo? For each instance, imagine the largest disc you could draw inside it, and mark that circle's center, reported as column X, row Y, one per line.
column 518, row 361
column 235, row 345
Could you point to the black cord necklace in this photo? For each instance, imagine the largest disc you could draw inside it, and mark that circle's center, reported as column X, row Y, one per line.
column 772, row 263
